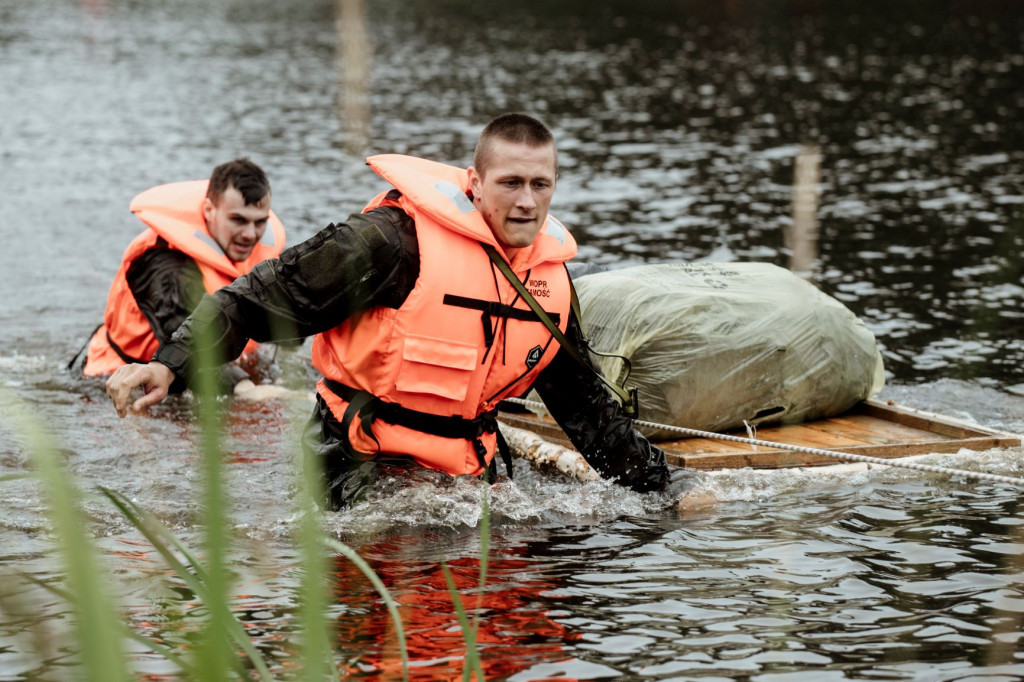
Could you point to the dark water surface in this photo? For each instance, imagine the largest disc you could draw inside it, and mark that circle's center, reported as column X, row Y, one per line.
column 678, row 124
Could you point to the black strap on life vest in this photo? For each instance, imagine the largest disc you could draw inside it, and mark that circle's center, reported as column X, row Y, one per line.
column 369, row 408
column 88, row 340
column 121, row 354
column 491, row 309
column 128, row 360
column 629, row 397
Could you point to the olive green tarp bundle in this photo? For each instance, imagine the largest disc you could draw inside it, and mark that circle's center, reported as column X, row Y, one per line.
column 715, row 346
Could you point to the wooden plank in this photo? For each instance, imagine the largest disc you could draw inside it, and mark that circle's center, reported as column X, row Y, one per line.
column 766, row 458
column 876, row 431
column 809, row 436
column 926, row 421
column 542, row 426
column 872, row 428
column 699, row 446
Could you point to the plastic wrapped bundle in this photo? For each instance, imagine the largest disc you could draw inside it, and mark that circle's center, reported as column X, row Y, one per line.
column 714, row 346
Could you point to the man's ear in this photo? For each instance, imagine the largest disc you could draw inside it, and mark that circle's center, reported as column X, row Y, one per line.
column 474, row 181
column 208, row 209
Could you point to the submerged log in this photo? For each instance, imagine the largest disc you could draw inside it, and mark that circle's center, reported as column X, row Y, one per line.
column 546, row 455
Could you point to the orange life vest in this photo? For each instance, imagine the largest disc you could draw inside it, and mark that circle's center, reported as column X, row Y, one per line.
column 462, row 340
column 173, row 212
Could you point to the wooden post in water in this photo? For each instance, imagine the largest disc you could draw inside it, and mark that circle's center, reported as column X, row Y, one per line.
column 354, row 60
column 802, row 236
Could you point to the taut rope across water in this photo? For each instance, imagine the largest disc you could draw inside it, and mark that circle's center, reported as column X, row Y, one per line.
column 846, row 456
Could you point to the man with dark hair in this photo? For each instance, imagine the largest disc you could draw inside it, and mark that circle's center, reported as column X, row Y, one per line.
column 200, row 236
column 243, row 175
column 445, row 295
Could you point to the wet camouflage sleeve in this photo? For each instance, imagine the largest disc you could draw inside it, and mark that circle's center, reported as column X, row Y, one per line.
column 167, row 286
column 595, row 423
column 370, row 260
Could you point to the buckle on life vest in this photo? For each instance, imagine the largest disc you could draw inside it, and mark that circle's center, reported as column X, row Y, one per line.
column 632, row 408
column 370, row 408
column 491, row 309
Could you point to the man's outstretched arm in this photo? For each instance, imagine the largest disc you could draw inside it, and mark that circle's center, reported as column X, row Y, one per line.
column 370, row 260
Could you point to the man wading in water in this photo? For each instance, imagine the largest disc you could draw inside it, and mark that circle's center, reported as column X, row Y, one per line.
column 200, row 235
column 419, row 327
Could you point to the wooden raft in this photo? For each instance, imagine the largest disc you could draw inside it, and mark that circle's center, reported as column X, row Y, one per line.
column 873, row 428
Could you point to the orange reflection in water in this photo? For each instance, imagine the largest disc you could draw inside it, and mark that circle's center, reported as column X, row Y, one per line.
column 515, row 629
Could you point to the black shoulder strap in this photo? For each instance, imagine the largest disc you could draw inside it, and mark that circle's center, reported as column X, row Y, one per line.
column 628, row 397
column 71, row 363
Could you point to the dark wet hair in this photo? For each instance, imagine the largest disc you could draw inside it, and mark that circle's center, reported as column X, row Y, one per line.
column 516, row 128
column 242, row 174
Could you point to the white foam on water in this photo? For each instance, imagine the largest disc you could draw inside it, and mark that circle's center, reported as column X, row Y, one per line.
column 22, row 363
column 762, row 485
column 428, row 499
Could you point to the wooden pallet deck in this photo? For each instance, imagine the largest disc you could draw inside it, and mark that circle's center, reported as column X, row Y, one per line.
column 873, row 428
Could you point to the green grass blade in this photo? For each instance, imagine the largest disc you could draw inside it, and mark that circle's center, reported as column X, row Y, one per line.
column 485, row 545
column 214, row 650
column 97, row 628
column 155, row 533
column 468, row 632
column 167, row 537
column 485, row 540
column 382, row 590
column 163, row 651
column 317, row 655
column 485, row 550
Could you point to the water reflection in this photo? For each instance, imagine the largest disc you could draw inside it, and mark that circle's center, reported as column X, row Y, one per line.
column 802, row 235
column 355, row 59
column 514, row 626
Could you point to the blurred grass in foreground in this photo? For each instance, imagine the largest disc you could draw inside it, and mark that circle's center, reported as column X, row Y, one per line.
column 222, row 648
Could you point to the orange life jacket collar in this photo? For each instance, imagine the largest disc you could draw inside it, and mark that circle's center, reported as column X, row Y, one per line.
column 175, row 212
column 441, row 192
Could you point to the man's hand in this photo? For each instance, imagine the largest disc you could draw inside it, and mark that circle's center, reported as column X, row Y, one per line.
column 154, row 378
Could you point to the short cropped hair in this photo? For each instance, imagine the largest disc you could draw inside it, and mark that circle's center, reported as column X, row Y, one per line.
column 242, row 174
column 516, row 128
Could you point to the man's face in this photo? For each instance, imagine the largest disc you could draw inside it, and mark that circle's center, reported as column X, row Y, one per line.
column 514, row 193
column 235, row 226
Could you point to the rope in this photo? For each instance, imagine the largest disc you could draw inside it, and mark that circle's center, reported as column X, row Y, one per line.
column 847, row 456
